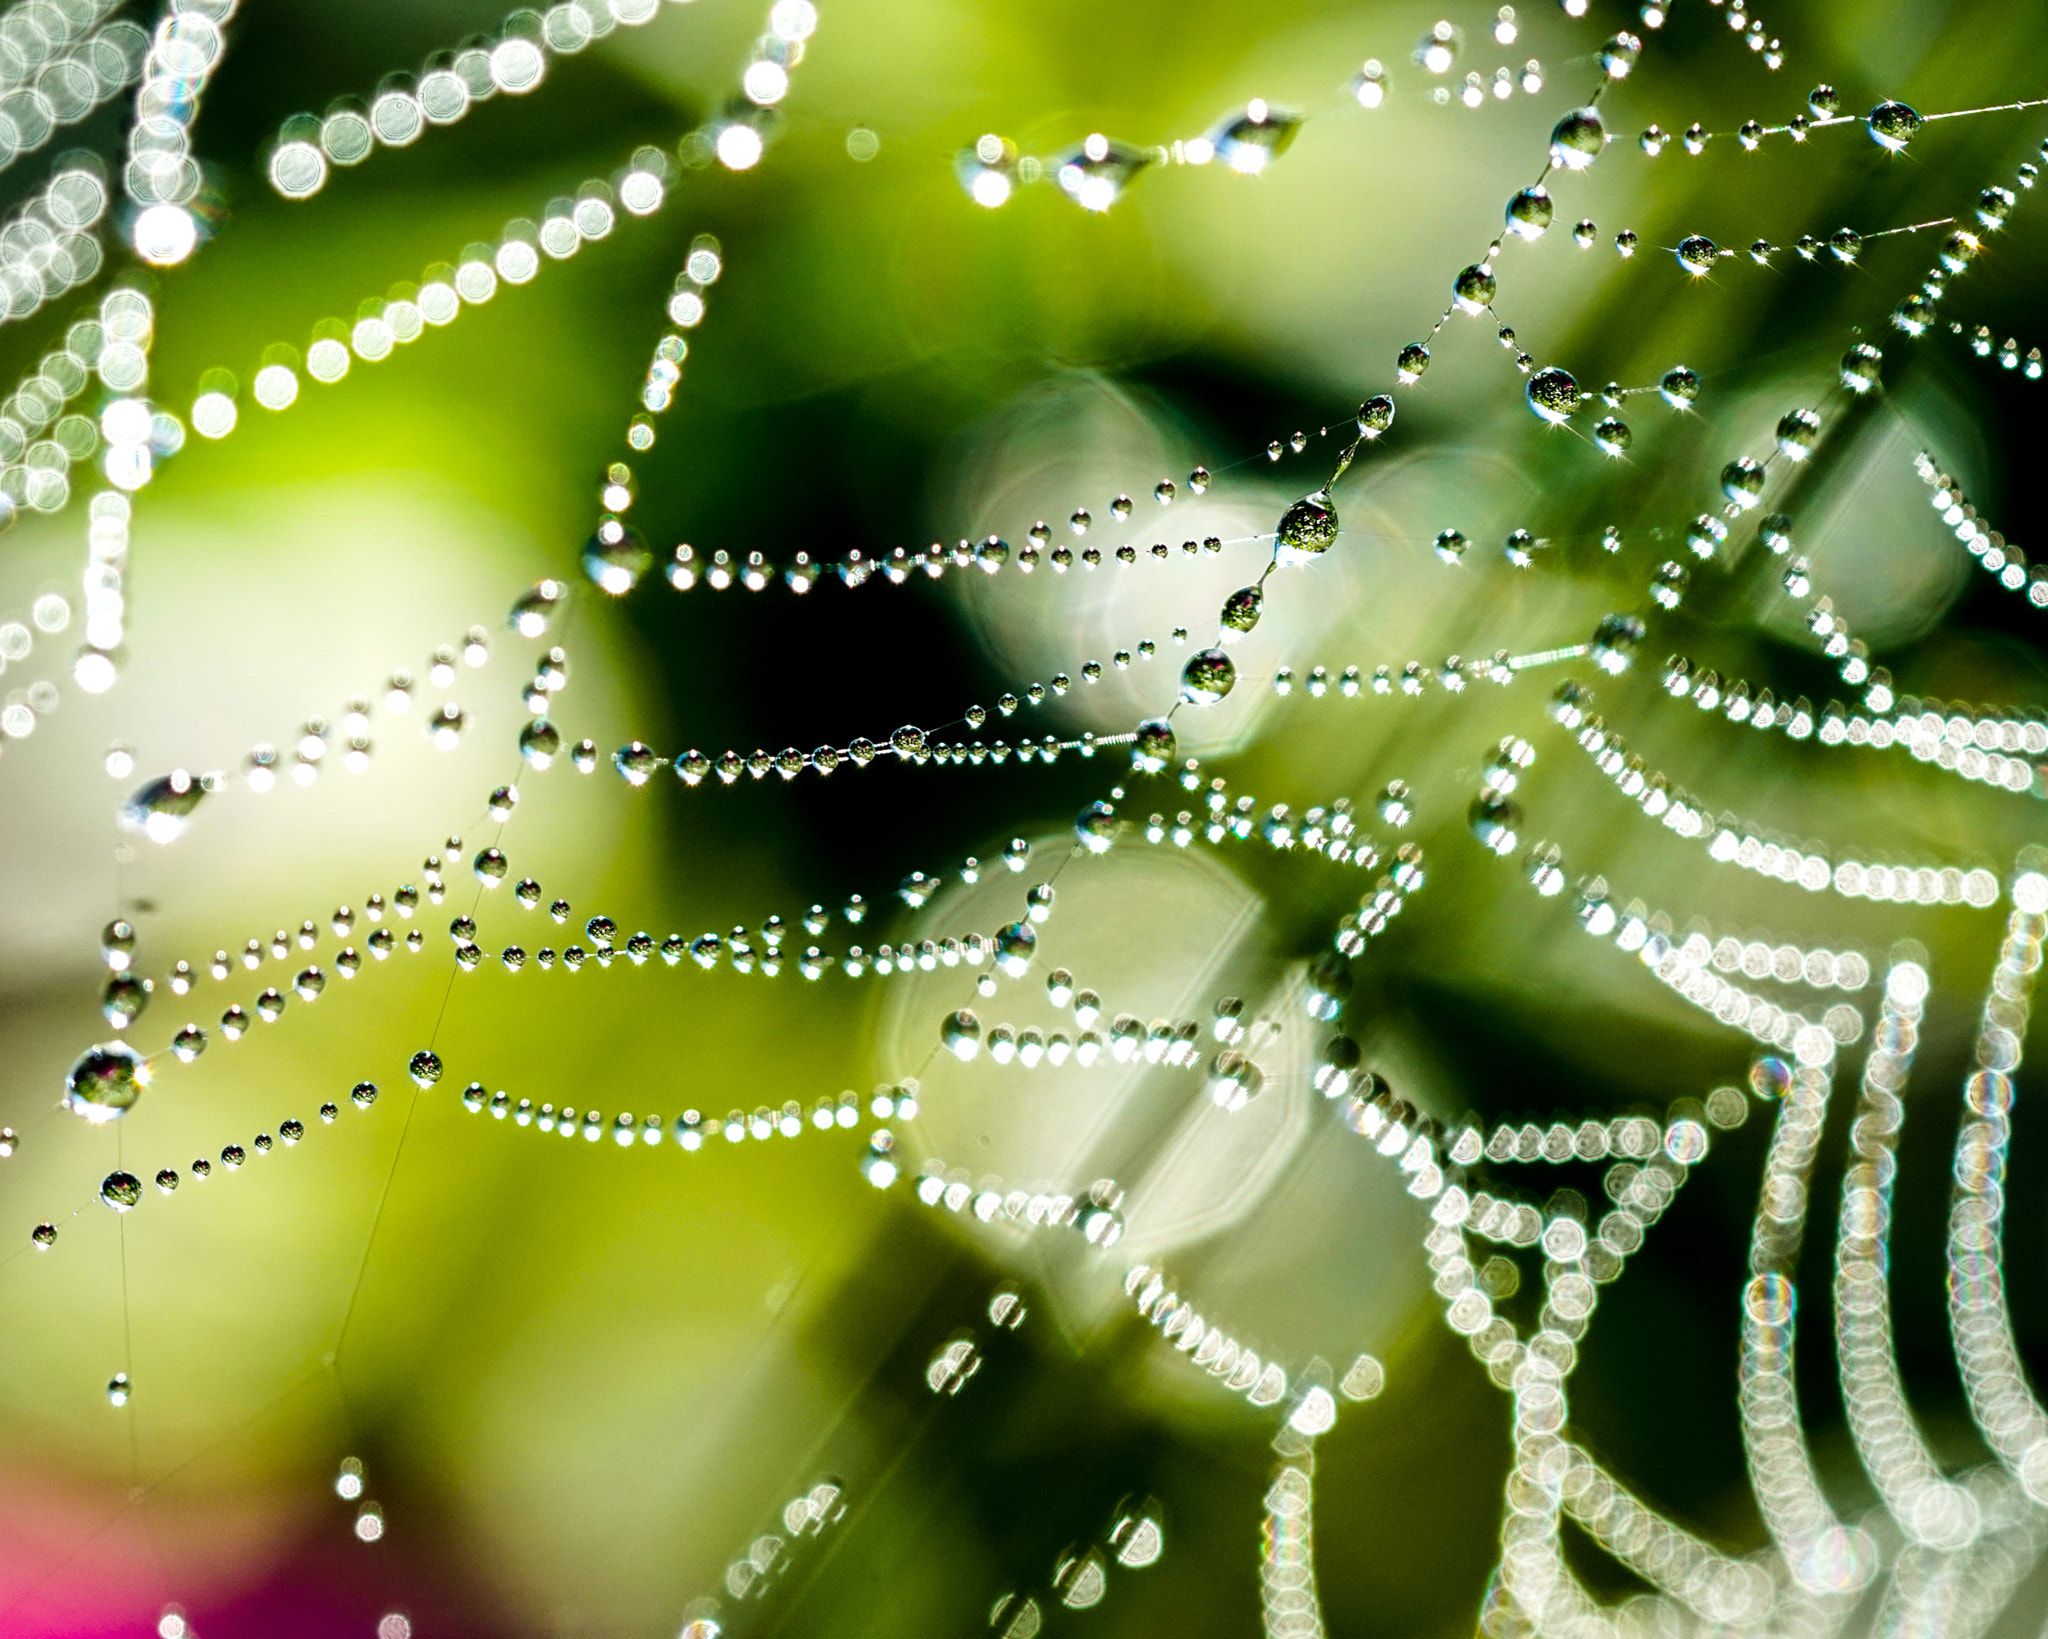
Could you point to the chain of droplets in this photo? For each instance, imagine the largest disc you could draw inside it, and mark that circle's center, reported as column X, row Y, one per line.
column 1288, row 1606
column 47, row 245
column 2006, row 563
column 1454, row 674
column 1718, row 1590
column 1977, row 742
column 126, row 995
column 1233, row 1364
column 162, row 809
column 1917, row 313
column 1929, row 1508
column 1080, row 1576
column 161, row 177
column 1532, row 1574
column 1095, row 172
column 116, row 346
column 1982, row 342
column 1889, row 124
column 1331, row 832
column 72, row 73
column 1685, row 966
column 121, row 1191
column 638, row 763
column 1699, row 255
column 754, row 572
column 1824, row 1555
column 694, row 1128
column 512, row 59
column 640, row 187
column 2002, row 1405
column 760, row 1568
column 1730, row 841
column 111, row 343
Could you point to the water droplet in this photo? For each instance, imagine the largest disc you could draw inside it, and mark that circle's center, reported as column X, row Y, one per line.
column 540, row 742
column 121, row 1190
column 1798, row 433
column 1015, row 945
column 1306, row 530
column 1619, row 55
column 1742, row 481
column 424, row 1068
column 960, row 1034
column 1094, row 828
column 123, row 998
column 1697, row 254
column 1823, row 101
column 1375, row 416
column 1553, row 394
column 1615, row 641
column 1411, row 363
column 531, row 615
column 1584, row 232
column 615, row 558
column 1496, row 821
column 1679, row 387
column 1252, row 140
column 1234, row 1081
column 1451, row 545
column 1207, row 677
column 1613, row 436
column 119, row 1389
column 162, row 809
column 988, row 170
column 1576, row 140
column 1473, row 289
column 1154, row 747
column 1846, row 244
column 1861, row 367
column 1892, row 125
column 105, row 1082
column 1241, row 611
column 1095, row 174
column 1530, row 212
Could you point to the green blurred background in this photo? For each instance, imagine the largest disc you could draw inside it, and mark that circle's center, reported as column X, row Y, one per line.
column 583, row 1379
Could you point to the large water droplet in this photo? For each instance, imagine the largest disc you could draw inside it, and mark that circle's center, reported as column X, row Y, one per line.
column 530, row 616
column 120, row 1190
column 1252, row 140
column 1095, row 174
column 1207, row 677
column 616, row 558
column 1306, row 529
column 162, row 809
column 1241, row 610
column 1697, row 254
column 1474, row 288
column 1553, row 395
column 1530, row 212
column 1615, row 641
column 1892, row 125
column 105, row 1082
column 1576, row 140
column 1154, row 747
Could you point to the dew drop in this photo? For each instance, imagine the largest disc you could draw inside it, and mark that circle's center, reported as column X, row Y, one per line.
column 105, row 1081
